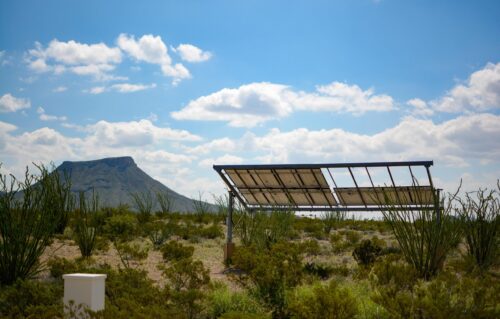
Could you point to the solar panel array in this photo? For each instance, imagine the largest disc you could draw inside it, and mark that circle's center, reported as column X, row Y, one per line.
column 284, row 187
column 308, row 187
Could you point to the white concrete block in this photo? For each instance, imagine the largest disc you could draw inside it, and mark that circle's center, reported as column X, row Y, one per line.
column 85, row 289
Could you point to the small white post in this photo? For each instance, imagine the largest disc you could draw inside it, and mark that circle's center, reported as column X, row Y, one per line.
column 84, row 289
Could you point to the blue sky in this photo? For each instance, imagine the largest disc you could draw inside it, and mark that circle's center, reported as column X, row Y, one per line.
column 186, row 84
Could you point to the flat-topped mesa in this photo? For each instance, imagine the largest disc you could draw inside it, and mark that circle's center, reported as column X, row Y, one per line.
column 115, row 179
column 121, row 162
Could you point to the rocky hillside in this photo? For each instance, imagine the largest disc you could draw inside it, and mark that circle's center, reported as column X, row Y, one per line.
column 116, row 178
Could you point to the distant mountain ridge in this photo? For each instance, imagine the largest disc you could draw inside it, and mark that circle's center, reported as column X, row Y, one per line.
column 115, row 178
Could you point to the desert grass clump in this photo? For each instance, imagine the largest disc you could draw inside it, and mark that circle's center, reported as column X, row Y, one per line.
column 30, row 213
column 480, row 219
column 425, row 236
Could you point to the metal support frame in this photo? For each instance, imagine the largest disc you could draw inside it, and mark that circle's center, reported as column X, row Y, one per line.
column 229, row 221
column 233, row 189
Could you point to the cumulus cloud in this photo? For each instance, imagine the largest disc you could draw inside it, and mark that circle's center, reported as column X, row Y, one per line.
column 122, row 88
column 10, row 103
column 142, row 140
column 221, row 160
column 453, row 143
column 152, row 49
column 191, row 53
column 100, row 60
column 135, row 133
column 45, row 117
column 96, row 60
column 481, row 92
column 420, row 107
column 255, row 103
column 128, row 87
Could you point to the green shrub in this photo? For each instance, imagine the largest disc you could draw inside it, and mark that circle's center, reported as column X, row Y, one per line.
column 335, row 237
column 270, row 272
column 60, row 266
column 175, row 251
column 186, row 282
column 341, row 270
column 30, row 213
column 352, row 236
column 31, row 299
column 121, row 227
column 158, row 232
column 212, row 232
column 131, row 254
column 366, row 253
column 243, row 315
column 310, row 247
column 322, row 301
column 403, row 295
column 221, row 300
column 340, row 246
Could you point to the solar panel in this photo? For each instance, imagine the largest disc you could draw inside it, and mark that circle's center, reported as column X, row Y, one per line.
column 282, row 187
column 401, row 195
column 304, row 187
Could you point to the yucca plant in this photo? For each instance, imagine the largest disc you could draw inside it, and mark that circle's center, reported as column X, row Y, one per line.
column 425, row 236
column 30, row 213
column 85, row 228
column 480, row 218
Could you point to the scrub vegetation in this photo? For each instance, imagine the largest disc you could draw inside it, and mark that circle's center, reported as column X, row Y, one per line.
column 164, row 264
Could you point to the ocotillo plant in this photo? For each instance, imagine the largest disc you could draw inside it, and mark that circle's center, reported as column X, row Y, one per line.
column 85, row 229
column 480, row 218
column 30, row 212
column 425, row 235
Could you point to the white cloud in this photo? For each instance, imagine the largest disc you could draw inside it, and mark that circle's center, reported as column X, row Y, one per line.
column 191, row 53
column 95, row 60
column 60, row 89
column 74, row 53
column 122, row 88
column 222, row 144
column 6, row 127
column 224, row 159
column 481, row 92
column 45, row 117
column 97, row 90
column 140, row 139
column 453, row 143
column 420, row 107
column 135, row 133
column 152, row 49
column 255, row 103
column 128, row 87
column 9, row 103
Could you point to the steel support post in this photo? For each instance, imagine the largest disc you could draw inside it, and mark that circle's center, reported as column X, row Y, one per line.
column 229, row 247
